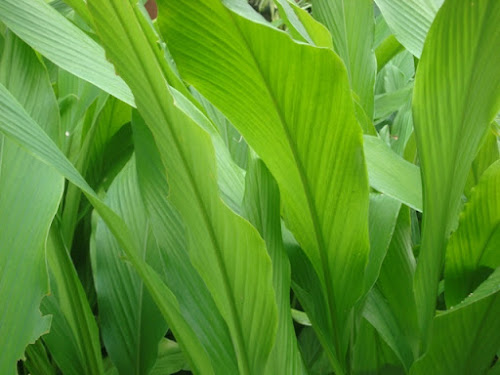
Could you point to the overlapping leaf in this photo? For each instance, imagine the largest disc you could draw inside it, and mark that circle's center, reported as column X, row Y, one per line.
column 410, row 20
column 455, row 99
column 473, row 326
column 55, row 37
column 352, row 26
column 195, row 302
column 255, row 75
column 474, row 248
column 17, row 125
column 29, row 196
column 225, row 249
column 262, row 207
column 132, row 325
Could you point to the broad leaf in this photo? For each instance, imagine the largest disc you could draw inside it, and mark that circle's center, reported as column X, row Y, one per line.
column 285, row 112
column 455, row 99
column 17, row 125
column 225, row 249
column 383, row 213
column 26, row 186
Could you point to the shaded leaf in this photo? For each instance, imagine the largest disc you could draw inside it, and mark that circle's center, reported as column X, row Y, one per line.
column 473, row 249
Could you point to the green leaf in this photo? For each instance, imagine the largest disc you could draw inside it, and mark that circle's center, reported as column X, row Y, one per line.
column 239, row 281
column 465, row 338
column 455, row 99
column 37, row 360
column 195, row 302
column 472, row 251
column 372, row 355
column 487, row 155
column 132, row 325
column 383, row 213
column 16, row 124
column 55, row 37
column 384, row 52
column 73, row 340
column 262, row 208
column 409, row 20
column 26, row 186
column 170, row 359
column 391, row 174
column 302, row 26
column 352, row 26
column 285, row 112
column 394, row 314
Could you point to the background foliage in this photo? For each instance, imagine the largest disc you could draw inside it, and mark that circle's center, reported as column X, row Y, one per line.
column 272, row 187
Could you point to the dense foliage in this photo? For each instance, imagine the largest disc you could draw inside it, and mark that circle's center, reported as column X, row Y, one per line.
column 278, row 187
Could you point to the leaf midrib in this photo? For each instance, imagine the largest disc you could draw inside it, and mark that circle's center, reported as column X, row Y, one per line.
column 227, row 286
column 307, row 192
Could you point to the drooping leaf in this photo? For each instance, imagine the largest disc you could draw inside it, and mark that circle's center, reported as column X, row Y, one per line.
column 473, row 249
column 26, row 186
column 17, row 125
column 455, row 99
column 285, row 112
column 55, row 37
column 386, row 50
column 239, row 281
column 409, row 20
column 391, row 174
